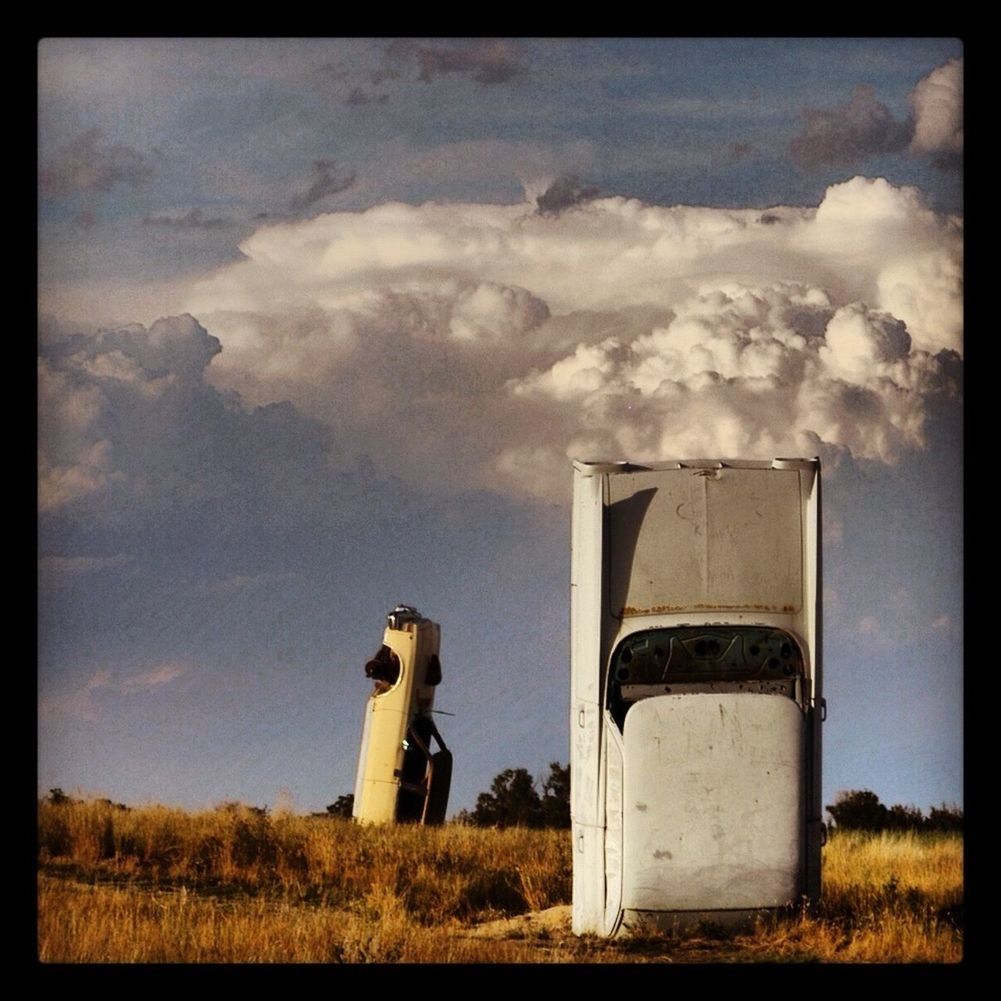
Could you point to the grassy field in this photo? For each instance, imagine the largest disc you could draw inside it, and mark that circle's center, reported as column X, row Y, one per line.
column 238, row 886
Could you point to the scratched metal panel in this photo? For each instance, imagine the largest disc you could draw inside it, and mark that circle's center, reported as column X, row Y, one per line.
column 613, row 827
column 725, row 539
column 586, row 573
column 588, row 880
column 712, row 794
column 586, row 794
column 584, row 736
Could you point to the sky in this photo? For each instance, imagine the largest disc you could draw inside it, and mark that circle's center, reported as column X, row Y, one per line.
column 323, row 323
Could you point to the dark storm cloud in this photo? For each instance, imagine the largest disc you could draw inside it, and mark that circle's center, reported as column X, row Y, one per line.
column 190, row 220
column 565, row 192
column 89, row 163
column 326, row 181
column 131, row 434
column 849, row 132
column 864, row 126
column 486, row 61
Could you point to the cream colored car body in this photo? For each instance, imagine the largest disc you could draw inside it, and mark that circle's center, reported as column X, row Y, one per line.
column 389, row 715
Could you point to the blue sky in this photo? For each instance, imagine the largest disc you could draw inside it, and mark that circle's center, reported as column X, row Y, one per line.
column 322, row 323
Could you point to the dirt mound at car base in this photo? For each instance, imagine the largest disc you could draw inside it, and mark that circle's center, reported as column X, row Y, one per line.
column 553, row 920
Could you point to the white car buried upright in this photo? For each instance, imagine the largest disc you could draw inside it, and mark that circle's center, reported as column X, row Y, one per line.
column 695, row 691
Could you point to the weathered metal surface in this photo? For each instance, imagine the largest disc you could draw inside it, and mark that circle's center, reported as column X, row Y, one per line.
column 614, row 773
column 587, row 799
column 712, row 794
column 707, row 539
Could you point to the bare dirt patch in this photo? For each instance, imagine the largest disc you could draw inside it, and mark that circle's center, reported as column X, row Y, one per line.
column 535, row 924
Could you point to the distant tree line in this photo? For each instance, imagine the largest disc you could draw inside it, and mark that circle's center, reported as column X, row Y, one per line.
column 861, row 810
column 515, row 801
column 343, row 806
column 58, row 798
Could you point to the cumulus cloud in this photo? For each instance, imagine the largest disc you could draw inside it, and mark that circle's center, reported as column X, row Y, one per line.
column 744, row 371
column 483, row 345
column 487, row 61
column 85, row 384
column 89, row 473
column 132, row 435
column 74, row 459
column 90, row 163
column 863, row 126
column 849, row 132
column 326, row 181
column 937, row 103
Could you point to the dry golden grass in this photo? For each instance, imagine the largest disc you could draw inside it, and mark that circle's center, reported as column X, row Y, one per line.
column 863, row 871
column 99, row 923
column 438, row 873
column 232, row 885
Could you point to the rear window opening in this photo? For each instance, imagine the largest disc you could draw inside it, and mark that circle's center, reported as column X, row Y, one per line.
column 702, row 659
column 383, row 669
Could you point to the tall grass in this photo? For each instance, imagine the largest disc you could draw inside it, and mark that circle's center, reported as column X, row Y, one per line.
column 438, row 873
column 237, row 885
column 864, row 873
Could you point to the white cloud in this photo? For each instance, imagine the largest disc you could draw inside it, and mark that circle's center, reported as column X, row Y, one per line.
column 467, row 344
column 85, row 702
column 491, row 312
column 937, row 103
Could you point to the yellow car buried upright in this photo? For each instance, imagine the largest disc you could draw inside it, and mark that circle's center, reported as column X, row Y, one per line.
column 399, row 778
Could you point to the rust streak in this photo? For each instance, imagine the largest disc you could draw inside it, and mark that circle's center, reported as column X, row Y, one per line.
column 629, row 610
